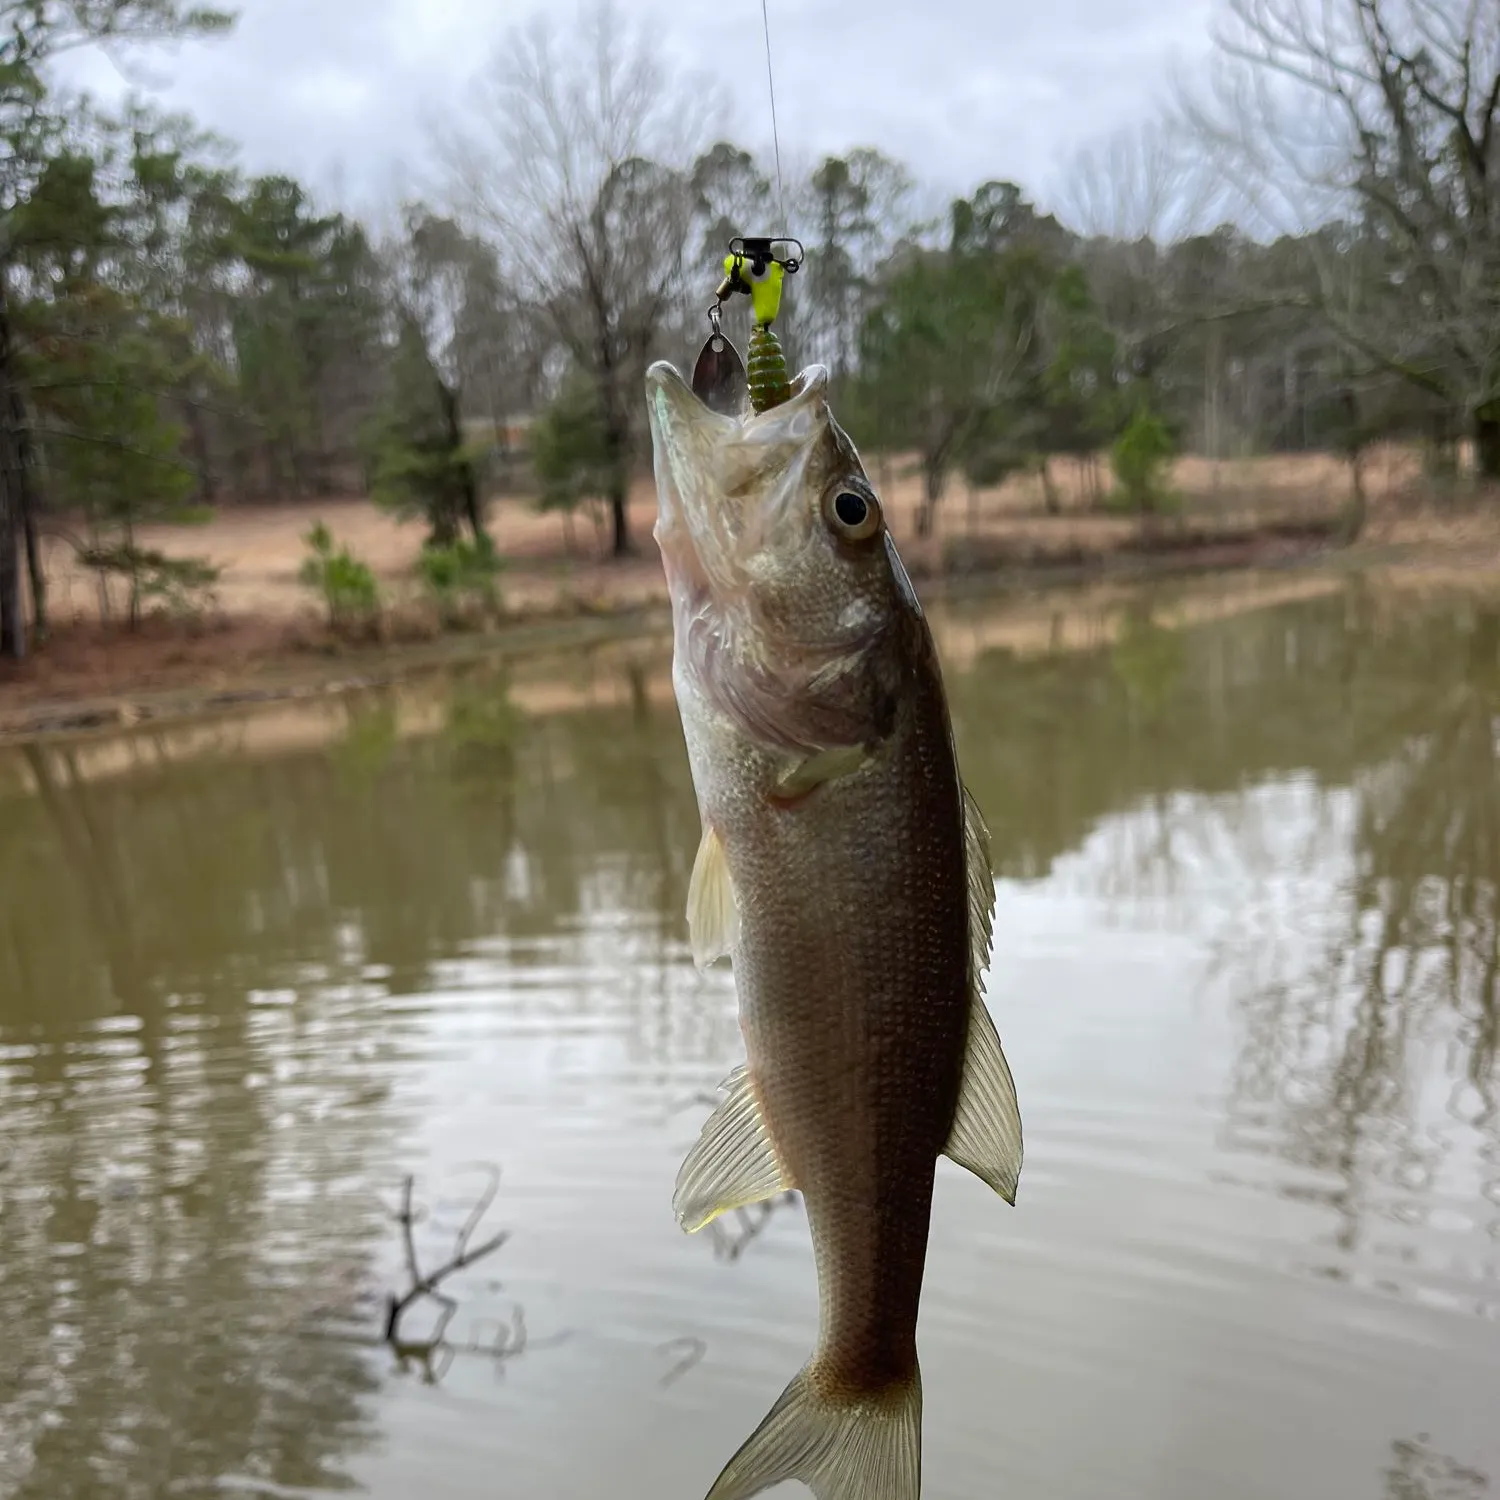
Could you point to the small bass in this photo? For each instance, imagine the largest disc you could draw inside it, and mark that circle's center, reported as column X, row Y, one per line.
column 844, row 868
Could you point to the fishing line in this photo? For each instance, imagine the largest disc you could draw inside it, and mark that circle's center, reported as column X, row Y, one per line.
column 775, row 134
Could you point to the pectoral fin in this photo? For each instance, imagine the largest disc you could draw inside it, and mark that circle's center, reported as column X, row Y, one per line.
column 733, row 1162
column 986, row 1134
column 822, row 766
column 712, row 914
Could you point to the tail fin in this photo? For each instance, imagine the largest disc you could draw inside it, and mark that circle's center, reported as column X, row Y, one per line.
column 866, row 1449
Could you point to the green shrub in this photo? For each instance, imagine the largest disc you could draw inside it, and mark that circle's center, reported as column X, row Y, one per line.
column 460, row 577
column 346, row 585
column 1139, row 458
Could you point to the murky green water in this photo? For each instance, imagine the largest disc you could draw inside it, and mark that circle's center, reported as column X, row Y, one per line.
column 1246, row 974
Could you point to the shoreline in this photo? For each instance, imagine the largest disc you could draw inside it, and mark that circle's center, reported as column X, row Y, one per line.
column 167, row 673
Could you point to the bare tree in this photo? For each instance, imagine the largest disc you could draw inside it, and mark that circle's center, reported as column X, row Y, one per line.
column 578, row 160
column 1147, row 181
column 1382, row 117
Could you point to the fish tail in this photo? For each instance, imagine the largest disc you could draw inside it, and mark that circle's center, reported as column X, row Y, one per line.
column 865, row 1447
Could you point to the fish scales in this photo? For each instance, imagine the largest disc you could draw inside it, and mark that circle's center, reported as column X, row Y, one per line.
column 854, row 903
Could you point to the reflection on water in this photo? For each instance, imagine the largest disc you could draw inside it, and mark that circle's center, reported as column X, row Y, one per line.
column 1247, row 968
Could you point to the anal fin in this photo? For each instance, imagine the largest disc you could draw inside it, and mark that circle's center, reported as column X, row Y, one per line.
column 712, row 913
column 986, row 1134
column 732, row 1163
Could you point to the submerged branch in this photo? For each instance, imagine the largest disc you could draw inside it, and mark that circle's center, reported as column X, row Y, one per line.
column 427, row 1285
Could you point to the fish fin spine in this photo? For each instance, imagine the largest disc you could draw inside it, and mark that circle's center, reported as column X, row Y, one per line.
column 864, row 1449
column 712, row 911
column 985, row 1138
column 732, row 1163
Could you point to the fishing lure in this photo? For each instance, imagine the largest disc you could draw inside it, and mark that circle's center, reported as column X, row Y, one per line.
column 720, row 379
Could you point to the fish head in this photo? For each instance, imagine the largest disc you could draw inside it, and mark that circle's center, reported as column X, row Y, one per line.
column 781, row 570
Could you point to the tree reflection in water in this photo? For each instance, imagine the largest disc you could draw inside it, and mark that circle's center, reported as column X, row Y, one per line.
column 1342, row 1057
column 1340, row 759
column 1416, row 1472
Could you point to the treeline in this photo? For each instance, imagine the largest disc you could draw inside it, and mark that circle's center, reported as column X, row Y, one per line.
column 176, row 335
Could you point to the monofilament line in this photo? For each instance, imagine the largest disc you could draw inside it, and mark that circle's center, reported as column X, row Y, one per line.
column 775, row 135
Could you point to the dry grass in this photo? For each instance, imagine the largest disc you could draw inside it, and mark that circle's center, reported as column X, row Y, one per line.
column 260, row 547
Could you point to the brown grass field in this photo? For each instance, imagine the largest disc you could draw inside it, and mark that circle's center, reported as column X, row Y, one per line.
column 264, row 621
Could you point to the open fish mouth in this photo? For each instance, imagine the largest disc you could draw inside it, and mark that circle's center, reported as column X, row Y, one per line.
column 727, row 485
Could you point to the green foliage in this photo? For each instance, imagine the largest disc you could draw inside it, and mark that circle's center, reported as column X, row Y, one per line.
column 181, row 587
column 1139, row 457
column 950, row 354
column 420, row 462
column 112, row 446
column 1080, row 405
column 989, row 459
column 346, row 585
column 461, row 577
column 311, row 319
column 570, row 454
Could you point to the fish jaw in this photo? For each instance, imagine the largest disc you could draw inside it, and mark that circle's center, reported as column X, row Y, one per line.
column 687, row 442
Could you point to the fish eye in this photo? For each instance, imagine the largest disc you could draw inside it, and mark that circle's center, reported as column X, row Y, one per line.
column 853, row 515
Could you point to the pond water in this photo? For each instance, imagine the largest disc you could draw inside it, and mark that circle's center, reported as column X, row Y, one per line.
column 255, row 972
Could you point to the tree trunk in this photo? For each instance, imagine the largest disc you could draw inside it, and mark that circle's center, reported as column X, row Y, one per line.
column 16, row 508
column 619, row 521
column 1487, row 444
column 37, row 575
column 619, row 485
column 1049, row 489
column 932, row 489
column 12, row 621
column 202, row 457
column 1353, row 520
column 468, row 480
column 26, row 493
column 471, row 506
column 616, row 449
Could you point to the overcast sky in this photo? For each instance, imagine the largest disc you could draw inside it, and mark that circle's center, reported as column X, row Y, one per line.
column 337, row 91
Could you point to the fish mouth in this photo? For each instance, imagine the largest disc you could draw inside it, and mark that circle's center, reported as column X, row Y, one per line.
column 723, row 483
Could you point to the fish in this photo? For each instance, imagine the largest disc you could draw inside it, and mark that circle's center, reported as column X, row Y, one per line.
column 844, row 869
